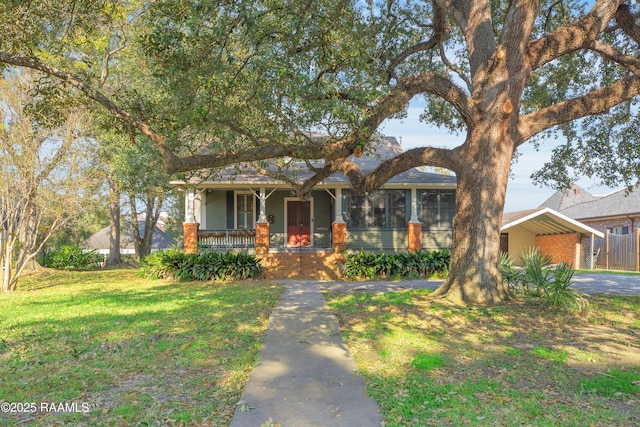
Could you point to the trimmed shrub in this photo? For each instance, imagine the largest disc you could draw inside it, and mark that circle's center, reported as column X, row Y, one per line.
column 72, row 258
column 204, row 266
column 369, row 265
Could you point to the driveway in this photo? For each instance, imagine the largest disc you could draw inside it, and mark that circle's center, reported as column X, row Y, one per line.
column 589, row 283
column 607, row 283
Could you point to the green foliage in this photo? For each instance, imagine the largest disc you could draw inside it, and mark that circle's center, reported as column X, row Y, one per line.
column 72, row 258
column 204, row 266
column 613, row 383
column 543, row 283
column 369, row 265
column 558, row 356
column 427, row 361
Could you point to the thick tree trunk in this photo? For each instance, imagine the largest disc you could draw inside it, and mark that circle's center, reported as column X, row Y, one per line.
column 474, row 275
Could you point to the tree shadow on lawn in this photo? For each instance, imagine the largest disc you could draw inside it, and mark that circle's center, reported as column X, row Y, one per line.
column 429, row 363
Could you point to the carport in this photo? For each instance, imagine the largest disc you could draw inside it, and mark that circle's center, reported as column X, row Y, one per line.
column 550, row 231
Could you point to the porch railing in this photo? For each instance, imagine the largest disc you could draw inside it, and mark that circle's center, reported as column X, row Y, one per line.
column 227, row 238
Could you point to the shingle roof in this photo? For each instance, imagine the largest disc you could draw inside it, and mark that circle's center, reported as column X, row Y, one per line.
column 564, row 199
column 382, row 149
column 617, row 203
column 100, row 240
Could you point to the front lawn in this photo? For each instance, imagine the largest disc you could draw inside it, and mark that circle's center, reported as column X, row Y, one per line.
column 432, row 364
column 111, row 348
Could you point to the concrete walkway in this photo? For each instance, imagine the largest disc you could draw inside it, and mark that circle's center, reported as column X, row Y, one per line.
column 305, row 376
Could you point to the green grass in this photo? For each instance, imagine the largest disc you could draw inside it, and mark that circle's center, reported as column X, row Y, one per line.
column 138, row 352
column 434, row 364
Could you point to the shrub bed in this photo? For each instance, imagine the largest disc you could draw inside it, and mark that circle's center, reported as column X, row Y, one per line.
column 205, row 265
column 412, row 265
column 71, row 258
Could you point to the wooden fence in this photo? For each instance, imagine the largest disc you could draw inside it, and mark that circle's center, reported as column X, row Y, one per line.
column 614, row 251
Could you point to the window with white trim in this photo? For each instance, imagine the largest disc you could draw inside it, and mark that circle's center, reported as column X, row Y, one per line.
column 245, row 211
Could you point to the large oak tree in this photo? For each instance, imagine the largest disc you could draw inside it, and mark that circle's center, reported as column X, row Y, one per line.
column 245, row 81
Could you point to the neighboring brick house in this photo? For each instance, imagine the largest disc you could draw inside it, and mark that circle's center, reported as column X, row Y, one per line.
column 553, row 233
column 245, row 209
column 617, row 212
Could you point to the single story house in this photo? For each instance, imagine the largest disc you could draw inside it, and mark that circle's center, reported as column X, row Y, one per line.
column 550, row 231
column 242, row 208
column 100, row 241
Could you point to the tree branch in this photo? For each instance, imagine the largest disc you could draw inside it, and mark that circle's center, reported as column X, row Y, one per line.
column 595, row 102
column 569, row 38
column 607, row 51
column 421, row 156
column 74, row 81
column 627, row 22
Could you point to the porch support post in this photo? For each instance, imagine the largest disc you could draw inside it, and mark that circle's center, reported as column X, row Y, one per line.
column 414, row 206
column 414, row 228
column 339, row 227
column 591, row 253
column 190, row 215
column 338, row 207
column 190, row 227
column 263, row 203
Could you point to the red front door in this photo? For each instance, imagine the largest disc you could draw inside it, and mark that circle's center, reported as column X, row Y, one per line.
column 298, row 223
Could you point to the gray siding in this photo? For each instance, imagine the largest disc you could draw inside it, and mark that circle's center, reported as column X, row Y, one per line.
column 377, row 240
column 436, row 239
column 216, row 209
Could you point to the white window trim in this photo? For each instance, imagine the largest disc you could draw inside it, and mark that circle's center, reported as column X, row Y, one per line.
column 235, row 208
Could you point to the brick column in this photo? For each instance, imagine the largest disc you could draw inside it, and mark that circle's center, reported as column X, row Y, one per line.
column 190, row 230
column 339, row 237
column 262, row 239
column 414, row 231
column 339, row 244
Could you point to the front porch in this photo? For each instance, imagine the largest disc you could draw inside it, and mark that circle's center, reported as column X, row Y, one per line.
column 294, row 238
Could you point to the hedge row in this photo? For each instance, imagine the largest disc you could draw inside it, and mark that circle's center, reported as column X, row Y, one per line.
column 369, row 265
column 205, row 265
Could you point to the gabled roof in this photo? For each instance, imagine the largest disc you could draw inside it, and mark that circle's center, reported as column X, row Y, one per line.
column 100, row 240
column 545, row 221
column 579, row 204
column 382, row 149
column 618, row 203
column 564, row 199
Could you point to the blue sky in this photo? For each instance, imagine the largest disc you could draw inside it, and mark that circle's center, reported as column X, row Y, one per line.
column 521, row 192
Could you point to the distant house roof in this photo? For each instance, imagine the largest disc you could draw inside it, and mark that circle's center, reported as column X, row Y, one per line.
column 545, row 221
column 101, row 240
column 380, row 150
column 586, row 206
column 564, row 199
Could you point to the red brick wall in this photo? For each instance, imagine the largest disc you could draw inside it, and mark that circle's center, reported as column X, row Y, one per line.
column 317, row 265
column 601, row 225
column 561, row 247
